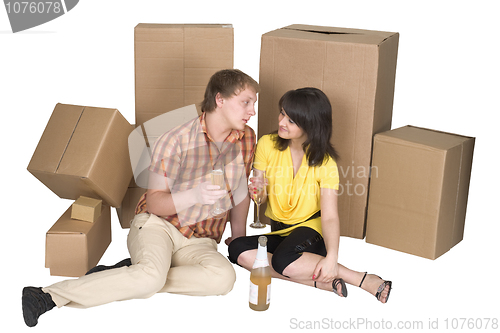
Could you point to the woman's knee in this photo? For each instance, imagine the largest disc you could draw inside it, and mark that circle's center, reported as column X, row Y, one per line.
column 282, row 262
column 239, row 251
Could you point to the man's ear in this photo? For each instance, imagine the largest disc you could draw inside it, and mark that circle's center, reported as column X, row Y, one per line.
column 219, row 100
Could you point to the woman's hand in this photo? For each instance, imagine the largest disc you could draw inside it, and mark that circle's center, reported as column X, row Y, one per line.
column 326, row 270
column 254, row 184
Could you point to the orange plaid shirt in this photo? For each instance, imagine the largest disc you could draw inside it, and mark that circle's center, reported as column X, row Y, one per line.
column 186, row 155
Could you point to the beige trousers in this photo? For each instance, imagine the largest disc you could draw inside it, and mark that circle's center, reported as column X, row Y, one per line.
column 163, row 260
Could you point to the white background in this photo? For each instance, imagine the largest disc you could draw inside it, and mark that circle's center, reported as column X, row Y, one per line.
column 447, row 79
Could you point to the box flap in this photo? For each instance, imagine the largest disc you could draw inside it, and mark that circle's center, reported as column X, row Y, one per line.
column 150, row 32
column 346, row 35
column 426, row 138
column 180, row 26
column 55, row 138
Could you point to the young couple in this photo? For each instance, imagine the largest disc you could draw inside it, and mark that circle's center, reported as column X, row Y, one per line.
column 173, row 237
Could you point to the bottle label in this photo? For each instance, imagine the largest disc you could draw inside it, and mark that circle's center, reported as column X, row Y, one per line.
column 254, row 294
column 268, row 298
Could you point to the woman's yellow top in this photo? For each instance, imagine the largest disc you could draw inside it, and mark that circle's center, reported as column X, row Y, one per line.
column 292, row 199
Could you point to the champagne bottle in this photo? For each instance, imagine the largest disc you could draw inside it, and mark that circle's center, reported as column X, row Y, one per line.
column 260, row 279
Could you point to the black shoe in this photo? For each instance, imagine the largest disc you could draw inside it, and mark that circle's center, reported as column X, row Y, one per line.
column 35, row 303
column 124, row 262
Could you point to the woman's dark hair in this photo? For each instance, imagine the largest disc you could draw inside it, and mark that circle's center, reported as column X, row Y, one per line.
column 311, row 110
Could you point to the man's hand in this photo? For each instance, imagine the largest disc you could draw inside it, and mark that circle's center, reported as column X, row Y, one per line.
column 208, row 194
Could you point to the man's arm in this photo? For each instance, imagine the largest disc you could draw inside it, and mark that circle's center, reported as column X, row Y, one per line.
column 161, row 202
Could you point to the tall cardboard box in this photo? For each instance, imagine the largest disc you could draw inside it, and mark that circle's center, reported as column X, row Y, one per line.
column 356, row 69
column 419, row 190
column 173, row 63
column 83, row 151
column 73, row 247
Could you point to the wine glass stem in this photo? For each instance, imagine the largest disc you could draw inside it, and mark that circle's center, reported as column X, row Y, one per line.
column 258, row 217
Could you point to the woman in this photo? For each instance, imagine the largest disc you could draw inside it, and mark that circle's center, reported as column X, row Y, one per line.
column 298, row 162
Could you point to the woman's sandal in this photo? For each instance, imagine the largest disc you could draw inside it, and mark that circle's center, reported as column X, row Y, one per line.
column 380, row 288
column 335, row 284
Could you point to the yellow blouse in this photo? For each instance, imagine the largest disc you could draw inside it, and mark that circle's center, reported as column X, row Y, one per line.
column 293, row 199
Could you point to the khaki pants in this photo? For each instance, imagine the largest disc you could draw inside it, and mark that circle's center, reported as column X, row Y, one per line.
column 163, row 260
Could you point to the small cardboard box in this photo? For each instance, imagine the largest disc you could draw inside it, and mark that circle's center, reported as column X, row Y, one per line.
column 173, row 63
column 73, row 247
column 86, row 209
column 84, row 151
column 356, row 69
column 418, row 191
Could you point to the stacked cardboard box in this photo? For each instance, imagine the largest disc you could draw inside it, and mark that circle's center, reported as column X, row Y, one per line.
column 418, row 180
column 74, row 246
column 356, row 70
column 419, row 190
column 83, row 151
column 173, row 63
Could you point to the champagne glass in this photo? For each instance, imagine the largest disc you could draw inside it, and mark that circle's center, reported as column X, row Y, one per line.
column 218, row 179
column 258, row 196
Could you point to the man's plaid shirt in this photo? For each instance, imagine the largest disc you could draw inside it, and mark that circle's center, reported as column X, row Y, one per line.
column 186, row 155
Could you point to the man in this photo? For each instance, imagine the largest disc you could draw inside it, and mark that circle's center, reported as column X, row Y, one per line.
column 173, row 237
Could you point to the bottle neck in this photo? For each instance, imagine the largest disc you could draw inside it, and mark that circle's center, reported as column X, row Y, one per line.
column 261, row 258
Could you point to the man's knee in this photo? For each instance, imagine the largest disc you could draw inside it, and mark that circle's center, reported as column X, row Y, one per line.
column 222, row 279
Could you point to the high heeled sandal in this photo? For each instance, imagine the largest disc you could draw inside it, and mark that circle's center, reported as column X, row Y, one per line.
column 381, row 288
column 335, row 284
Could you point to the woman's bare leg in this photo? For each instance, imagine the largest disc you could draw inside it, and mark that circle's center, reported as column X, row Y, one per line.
column 302, row 269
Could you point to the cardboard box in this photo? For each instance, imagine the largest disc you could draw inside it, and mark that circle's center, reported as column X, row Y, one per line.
column 173, row 63
column 356, row 70
column 84, row 152
column 419, row 190
column 126, row 211
column 86, row 209
column 73, row 247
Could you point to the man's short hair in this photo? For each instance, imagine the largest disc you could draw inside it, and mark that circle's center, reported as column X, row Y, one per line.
column 227, row 82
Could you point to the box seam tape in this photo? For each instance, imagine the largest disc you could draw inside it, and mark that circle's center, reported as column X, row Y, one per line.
column 69, row 141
